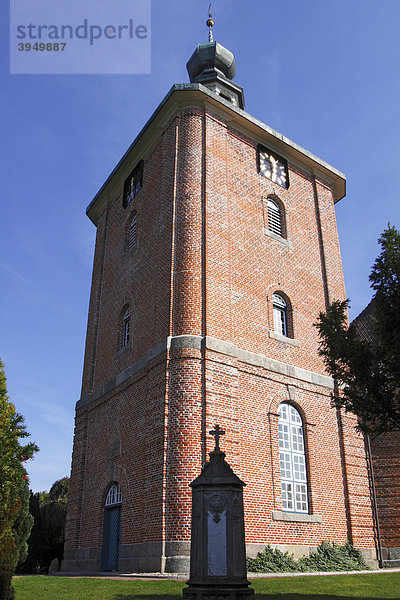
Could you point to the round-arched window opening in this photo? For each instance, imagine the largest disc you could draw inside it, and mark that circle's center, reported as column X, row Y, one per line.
column 280, row 310
column 114, row 496
column 132, row 238
column 275, row 220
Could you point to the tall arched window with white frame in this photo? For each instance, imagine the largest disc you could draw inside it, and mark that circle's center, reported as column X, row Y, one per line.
column 292, row 459
column 280, row 310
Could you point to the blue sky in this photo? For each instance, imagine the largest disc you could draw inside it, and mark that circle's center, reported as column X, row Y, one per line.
column 325, row 74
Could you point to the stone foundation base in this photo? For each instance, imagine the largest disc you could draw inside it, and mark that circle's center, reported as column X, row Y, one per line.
column 217, row 591
column 298, row 551
column 391, row 553
column 174, row 557
column 391, row 557
column 84, row 560
column 148, row 557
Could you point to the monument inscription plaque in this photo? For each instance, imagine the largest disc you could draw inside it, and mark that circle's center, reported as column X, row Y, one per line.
column 216, row 534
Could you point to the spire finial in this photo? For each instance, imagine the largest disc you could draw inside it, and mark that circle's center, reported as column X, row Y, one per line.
column 210, row 24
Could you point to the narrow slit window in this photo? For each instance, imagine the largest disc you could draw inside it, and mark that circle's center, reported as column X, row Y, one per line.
column 132, row 234
column 279, row 307
column 274, row 217
column 126, row 327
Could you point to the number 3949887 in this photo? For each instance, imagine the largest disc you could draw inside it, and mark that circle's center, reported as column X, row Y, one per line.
column 42, row 47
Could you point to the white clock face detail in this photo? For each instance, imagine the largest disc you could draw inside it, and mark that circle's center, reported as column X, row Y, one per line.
column 273, row 168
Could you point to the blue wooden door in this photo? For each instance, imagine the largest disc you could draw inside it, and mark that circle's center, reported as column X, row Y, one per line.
column 111, row 538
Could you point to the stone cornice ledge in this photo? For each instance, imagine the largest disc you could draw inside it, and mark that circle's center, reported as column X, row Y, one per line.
column 278, row 515
column 196, row 342
column 260, row 360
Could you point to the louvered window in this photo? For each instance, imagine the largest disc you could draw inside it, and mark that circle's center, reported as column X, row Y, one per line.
column 126, row 327
column 114, row 495
column 280, row 315
column 274, row 217
column 133, row 184
column 292, row 459
column 132, row 234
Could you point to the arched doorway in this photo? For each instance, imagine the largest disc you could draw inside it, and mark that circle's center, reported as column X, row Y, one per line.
column 111, row 529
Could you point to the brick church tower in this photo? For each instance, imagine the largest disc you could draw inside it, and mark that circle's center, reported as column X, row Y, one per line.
column 216, row 249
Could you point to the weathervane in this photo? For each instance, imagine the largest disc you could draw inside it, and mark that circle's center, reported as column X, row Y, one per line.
column 210, row 24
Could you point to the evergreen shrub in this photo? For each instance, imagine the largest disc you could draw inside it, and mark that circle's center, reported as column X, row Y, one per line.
column 328, row 557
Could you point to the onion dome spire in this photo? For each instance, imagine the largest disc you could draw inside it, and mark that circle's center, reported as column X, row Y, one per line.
column 213, row 66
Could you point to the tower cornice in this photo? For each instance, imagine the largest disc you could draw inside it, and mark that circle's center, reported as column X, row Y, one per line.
column 188, row 95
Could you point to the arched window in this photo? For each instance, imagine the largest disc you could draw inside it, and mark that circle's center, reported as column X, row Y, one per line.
column 275, row 217
column 114, row 496
column 126, row 327
column 280, row 311
column 132, row 234
column 292, row 460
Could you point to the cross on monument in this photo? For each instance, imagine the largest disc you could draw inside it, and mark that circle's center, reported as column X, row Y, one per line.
column 217, row 432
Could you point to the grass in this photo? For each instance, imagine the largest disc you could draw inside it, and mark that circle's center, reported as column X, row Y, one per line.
column 330, row 587
column 41, row 587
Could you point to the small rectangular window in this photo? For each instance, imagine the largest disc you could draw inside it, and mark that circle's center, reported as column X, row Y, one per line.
column 133, row 184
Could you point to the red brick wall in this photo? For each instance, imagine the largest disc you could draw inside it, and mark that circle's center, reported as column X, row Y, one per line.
column 386, row 461
column 204, row 267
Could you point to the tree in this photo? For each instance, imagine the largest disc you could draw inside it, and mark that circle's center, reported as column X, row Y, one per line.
column 15, row 523
column 367, row 373
column 54, row 512
column 33, row 559
column 46, row 541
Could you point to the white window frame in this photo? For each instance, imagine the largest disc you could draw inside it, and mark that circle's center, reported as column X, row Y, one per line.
column 292, row 460
column 275, row 217
column 114, row 496
column 280, row 310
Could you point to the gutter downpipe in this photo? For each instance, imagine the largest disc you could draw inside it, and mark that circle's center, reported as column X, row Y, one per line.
column 373, row 490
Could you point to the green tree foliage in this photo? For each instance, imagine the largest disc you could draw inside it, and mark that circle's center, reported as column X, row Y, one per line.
column 15, row 522
column 23, row 525
column 47, row 537
column 368, row 374
column 54, row 512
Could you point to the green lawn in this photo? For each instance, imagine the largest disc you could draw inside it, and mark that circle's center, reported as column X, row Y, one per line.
column 336, row 587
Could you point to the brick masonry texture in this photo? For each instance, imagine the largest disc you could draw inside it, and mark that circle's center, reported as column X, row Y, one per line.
column 204, row 266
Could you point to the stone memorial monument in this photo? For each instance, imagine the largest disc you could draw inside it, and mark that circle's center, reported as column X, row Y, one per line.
column 217, row 553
